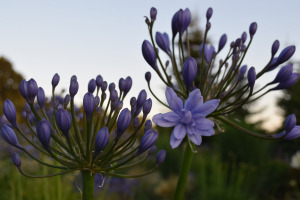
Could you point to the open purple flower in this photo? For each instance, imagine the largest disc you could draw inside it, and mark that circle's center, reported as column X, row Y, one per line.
column 188, row 119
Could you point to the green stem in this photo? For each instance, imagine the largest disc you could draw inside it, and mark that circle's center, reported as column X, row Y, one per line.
column 88, row 185
column 184, row 172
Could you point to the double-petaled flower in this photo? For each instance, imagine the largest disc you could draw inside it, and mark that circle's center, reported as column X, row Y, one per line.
column 189, row 118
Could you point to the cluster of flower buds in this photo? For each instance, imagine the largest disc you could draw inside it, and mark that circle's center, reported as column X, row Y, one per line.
column 223, row 86
column 95, row 143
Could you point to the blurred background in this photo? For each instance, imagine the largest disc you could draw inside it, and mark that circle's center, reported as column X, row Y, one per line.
column 39, row 39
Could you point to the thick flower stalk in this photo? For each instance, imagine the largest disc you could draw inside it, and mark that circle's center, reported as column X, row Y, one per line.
column 91, row 142
column 205, row 93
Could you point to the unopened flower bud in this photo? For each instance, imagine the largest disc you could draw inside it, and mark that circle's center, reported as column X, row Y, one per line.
column 147, row 141
column 97, row 101
column 32, row 90
column 73, row 89
column 136, row 123
column 209, row 13
column 208, row 26
column 27, row 109
column 43, row 130
column 10, row 137
column 10, row 112
column 163, row 41
column 141, row 99
column 128, row 85
column 153, row 13
column 67, row 100
column 113, row 96
column 160, row 157
column 92, row 86
column 88, row 105
column 167, row 63
column 63, row 120
column 148, row 76
column 149, row 54
column 147, row 107
column 285, row 54
column 288, row 82
column 104, row 86
column 55, row 81
column 123, row 122
column 251, row 77
column 244, row 37
column 252, row 29
column 151, row 150
column 41, row 97
column 242, row 72
column 132, row 102
column 111, row 87
column 148, row 125
column 189, row 72
column 55, row 104
column 290, row 122
column 101, row 140
column 283, row 74
column 17, row 161
column 222, row 42
column 99, row 81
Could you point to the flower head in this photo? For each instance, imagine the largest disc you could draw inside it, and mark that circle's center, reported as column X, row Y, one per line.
column 188, row 118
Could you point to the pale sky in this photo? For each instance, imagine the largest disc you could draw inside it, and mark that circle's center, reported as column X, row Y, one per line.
column 87, row 38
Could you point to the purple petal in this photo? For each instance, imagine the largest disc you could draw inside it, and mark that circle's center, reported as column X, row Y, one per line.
column 187, row 118
column 176, row 104
column 205, row 125
column 209, row 106
column 194, row 101
column 171, row 117
column 198, row 118
column 191, row 130
column 175, row 142
column 208, row 132
column 179, row 131
column 170, row 94
column 161, row 121
column 195, row 138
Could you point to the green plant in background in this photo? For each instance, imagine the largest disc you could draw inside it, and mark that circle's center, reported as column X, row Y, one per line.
column 223, row 92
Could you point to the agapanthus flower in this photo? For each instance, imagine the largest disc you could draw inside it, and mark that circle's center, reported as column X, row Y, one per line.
column 189, row 118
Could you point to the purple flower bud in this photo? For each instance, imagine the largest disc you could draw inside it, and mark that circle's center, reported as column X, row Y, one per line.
column 132, row 102
column 160, row 157
column 290, row 123
column 273, row 64
column 295, row 133
column 73, row 78
column 27, row 108
column 121, row 84
column 113, row 96
column 184, row 19
column 73, row 89
column 238, row 42
column 147, row 107
column 153, row 13
column 101, row 140
column 251, row 77
column 123, row 122
column 147, row 141
column 55, row 81
column 208, row 26
column 174, row 25
column 288, row 82
column 92, row 86
column 208, row 52
column 149, row 54
column 209, row 13
column 244, row 37
column 67, row 100
column 189, row 72
column 222, row 42
column 151, row 150
column 148, row 125
column 242, row 72
column 111, row 87
column 99, row 81
column 9, row 111
column 63, row 120
column 128, row 84
column 41, row 97
column 136, row 123
column 285, row 54
column 252, row 29
column 103, row 96
column 97, row 101
column 43, row 130
column 55, row 104
column 148, row 76
column 275, row 47
column 232, row 44
column 243, row 48
column 88, row 105
column 141, row 99
column 17, row 161
column 162, row 41
column 10, row 137
column 283, row 74
column 23, row 89
column 104, row 86
column 32, row 90
column 99, row 110
column 119, row 105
